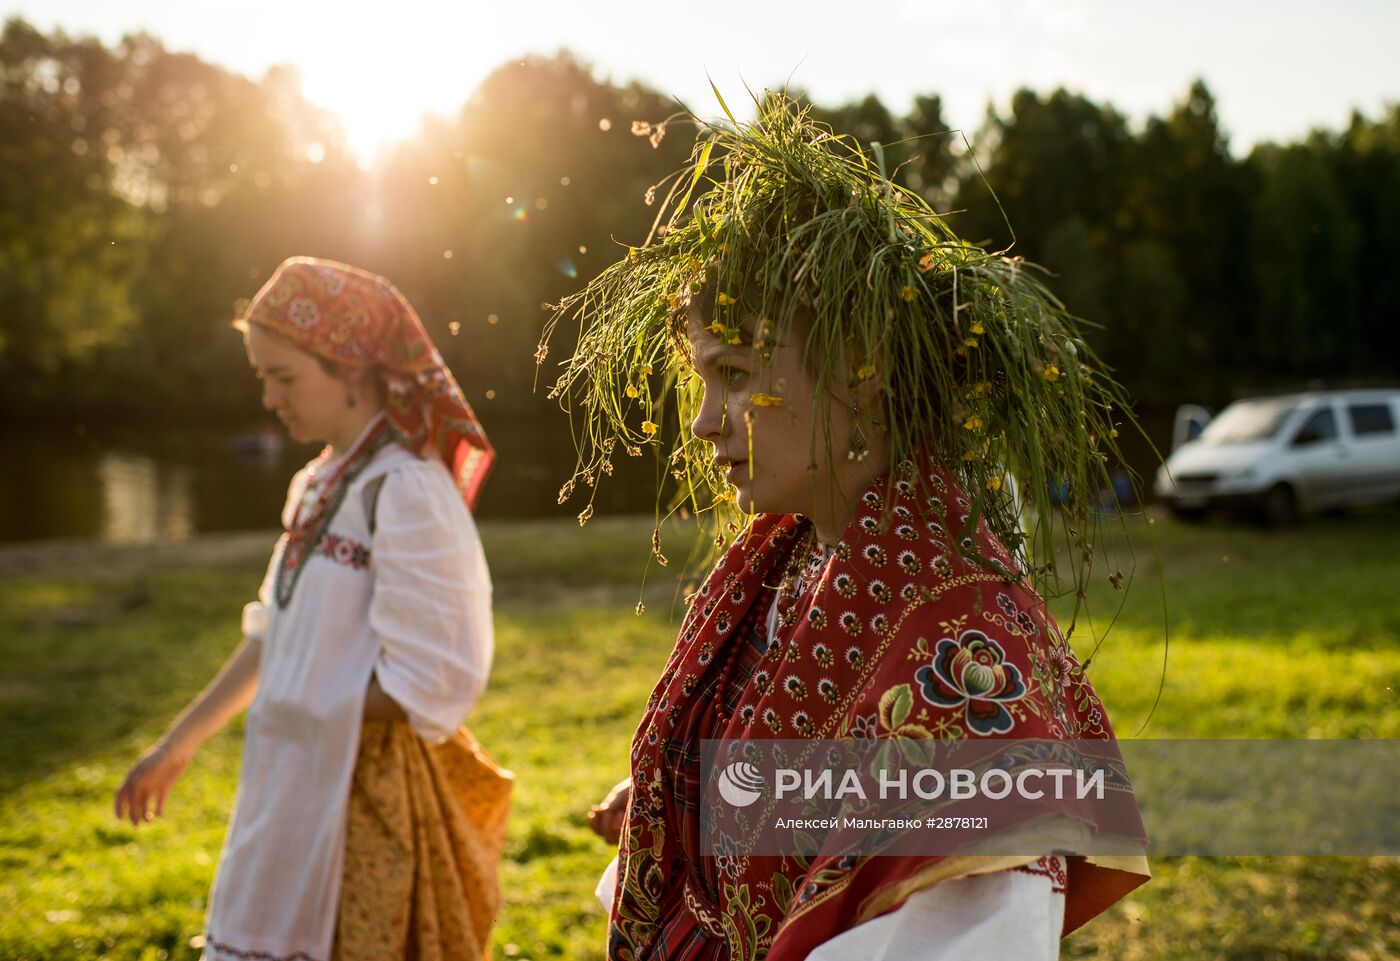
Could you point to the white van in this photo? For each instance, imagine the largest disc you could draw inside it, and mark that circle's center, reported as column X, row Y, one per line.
column 1281, row 455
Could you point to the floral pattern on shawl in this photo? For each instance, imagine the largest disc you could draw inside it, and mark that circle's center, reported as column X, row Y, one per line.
column 971, row 671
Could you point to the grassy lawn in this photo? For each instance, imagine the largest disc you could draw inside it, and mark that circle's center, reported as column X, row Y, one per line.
column 1288, row 634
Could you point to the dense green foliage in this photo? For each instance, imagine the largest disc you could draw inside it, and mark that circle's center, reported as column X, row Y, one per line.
column 1266, row 642
column 143, row 192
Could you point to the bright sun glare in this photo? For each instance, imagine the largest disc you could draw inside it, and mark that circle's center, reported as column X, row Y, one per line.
column 371, row 112
column 383, row 99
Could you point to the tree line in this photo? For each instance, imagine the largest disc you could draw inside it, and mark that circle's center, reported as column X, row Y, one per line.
column 144, row 192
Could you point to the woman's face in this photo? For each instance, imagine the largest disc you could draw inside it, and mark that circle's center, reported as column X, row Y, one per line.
column 776, row 460
column 309, row 402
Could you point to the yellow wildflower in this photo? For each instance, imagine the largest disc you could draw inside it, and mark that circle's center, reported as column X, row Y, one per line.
column 973, row 423
column 632, row 391
column 724, row 300
column 1051, row 373
column 1113, row 433
column 977, row 327
column 969, row 455
column 766, row 400
column 649, row 428
column 993, row 483
column 866, row 372
column 646, row 369
column 716, row 328
column 969, row 341
column 982, row 387
column 908, row 293
column 732, row 338
column 633, row 253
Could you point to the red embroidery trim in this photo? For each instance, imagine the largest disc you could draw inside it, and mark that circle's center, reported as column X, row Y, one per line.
column 1050, row 867
column 343, row 550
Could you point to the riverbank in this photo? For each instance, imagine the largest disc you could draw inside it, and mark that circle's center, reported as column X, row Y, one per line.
column 101, row 560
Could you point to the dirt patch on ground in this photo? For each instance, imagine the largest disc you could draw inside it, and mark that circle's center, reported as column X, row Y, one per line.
column 102, row 561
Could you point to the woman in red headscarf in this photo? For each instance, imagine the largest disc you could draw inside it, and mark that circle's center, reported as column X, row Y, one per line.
column 858, row 381
column 368, row 822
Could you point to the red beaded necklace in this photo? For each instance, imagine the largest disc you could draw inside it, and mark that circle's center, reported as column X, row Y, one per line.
column 756, row 620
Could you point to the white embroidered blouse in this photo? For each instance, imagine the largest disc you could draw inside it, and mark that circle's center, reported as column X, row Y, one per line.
column 406, row 599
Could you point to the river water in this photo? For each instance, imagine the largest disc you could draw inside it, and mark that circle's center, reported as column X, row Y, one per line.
column 126, row 485
column 133, row 485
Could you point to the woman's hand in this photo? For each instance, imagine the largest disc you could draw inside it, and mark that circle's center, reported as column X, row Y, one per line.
column 606, row 819
column 149, row 781
column 152, row 776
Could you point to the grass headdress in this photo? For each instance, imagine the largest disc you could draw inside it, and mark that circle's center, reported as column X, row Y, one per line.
column 785, row 230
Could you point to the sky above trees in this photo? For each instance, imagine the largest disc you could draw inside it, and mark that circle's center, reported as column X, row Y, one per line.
column 1277, row 69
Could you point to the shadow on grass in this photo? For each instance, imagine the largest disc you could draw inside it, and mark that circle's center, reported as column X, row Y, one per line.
column 90, row 663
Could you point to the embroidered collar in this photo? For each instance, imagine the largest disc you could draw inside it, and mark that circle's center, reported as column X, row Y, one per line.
column 309, row 527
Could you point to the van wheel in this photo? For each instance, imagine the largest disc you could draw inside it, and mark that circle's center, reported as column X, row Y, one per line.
column 1280, row 506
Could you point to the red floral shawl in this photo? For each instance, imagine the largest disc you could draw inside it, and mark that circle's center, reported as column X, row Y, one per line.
column 894, row 607
column 360, row 320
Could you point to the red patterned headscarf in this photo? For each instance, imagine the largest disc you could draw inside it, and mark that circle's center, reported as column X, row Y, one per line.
column 898, row 634
column 359, row 320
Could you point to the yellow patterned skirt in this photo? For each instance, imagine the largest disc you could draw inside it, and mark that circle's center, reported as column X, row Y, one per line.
column 422, row 848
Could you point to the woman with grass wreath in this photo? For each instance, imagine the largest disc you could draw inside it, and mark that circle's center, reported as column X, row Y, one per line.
column 368, row 822
column 861, row 383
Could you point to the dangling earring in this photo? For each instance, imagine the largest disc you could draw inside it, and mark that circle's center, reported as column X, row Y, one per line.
column 860, row 444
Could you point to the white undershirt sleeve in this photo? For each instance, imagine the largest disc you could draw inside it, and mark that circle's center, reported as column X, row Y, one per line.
column 431, row 606
column 1006, row 916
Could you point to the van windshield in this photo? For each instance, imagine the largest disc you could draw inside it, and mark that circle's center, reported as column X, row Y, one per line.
column 1248, row 421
